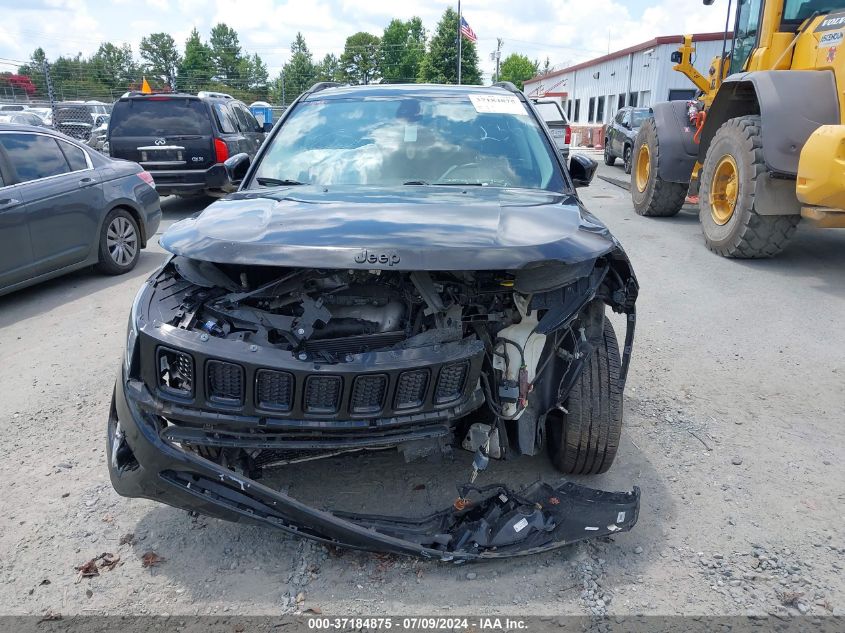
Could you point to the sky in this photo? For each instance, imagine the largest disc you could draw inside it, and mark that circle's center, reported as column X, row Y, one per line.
column 567, row 31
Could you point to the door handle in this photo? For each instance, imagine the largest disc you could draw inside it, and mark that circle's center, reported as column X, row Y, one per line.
column 86, row 181
column 8, row 202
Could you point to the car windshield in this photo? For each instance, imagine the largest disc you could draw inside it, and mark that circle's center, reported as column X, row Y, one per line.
column 477, row 139
column 638, row 116
column 159, row 116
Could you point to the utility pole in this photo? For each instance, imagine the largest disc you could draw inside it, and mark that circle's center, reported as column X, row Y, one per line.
column 460, row 37
column 496, row 56
column 49, row 81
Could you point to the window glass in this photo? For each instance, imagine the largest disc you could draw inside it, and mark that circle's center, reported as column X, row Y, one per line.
column 591, row 110
column 577, row 117
column 225, row 118
column 621, row 103
column 632, row 99
column 626, row 118
column 639, row 116
column 159, row 116
column 34, row 156
column 550, row 112
column 745, row 39
column 246, row 122
column 251, row 120
column 75, row 156
column 396, row 140
column 619, row 116
column 799, row 10
column 600, row 110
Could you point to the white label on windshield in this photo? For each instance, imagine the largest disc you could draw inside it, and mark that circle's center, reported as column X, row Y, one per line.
column 498, row 104
column 410, row 133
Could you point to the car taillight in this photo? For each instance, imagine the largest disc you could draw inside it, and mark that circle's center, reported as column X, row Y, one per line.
column 147, row 177
column 568, row 135
column 221, row 152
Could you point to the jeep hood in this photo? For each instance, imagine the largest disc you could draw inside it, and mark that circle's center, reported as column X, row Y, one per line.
column 405, row 228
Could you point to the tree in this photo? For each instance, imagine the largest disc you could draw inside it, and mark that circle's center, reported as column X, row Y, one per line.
column 360, row 59
column 225, row 53
column 34, row 69
column 402, row 50
column 517, row 68
column 298, row 74
column 197, row 67
column 163, row 60
column 328, row 69
column 440, row 64
column 114, row 66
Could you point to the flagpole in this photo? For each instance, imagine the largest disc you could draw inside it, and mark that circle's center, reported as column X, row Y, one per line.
column 460, row 37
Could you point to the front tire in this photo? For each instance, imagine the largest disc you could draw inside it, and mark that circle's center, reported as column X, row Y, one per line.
column 653, row 196
column 730, row 223
column 626, row 159
column 584, row 439
column 609, row 159
column 120, row 243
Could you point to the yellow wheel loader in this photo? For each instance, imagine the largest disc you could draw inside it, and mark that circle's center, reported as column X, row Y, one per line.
column 764, row 145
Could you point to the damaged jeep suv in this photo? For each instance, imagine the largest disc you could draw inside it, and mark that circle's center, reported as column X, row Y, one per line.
column 402, row 267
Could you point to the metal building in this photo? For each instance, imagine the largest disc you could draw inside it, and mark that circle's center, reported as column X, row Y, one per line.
column 591, row 92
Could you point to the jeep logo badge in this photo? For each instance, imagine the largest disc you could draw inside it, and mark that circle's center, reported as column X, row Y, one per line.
column 368, row 257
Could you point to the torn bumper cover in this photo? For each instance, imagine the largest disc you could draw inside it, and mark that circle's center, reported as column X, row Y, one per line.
column 497, row 523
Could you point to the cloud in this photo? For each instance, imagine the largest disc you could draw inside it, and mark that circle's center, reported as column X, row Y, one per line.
column 565, row 31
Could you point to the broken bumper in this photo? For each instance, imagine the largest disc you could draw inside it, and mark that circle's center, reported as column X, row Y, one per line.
column 497, row 523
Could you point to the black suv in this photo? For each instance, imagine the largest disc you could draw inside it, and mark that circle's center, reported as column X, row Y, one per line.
column 182, row 139
column 620, row 134
column 405, row 267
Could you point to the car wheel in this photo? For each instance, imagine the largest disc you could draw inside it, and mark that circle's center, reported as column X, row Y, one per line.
column 120, row 243
column 731, row 225
column 584, row 436
column 626, row 159
column 652, row 196
column 609, row 159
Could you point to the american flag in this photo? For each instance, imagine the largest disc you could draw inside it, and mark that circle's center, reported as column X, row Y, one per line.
column 467, row 31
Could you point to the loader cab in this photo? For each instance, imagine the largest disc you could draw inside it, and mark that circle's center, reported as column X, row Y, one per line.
column 757, row 21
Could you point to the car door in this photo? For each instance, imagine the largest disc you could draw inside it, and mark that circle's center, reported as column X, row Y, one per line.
column 63, row 196
column 247, row 124
column 624, row 131
column 16, row 263
column 614, row 132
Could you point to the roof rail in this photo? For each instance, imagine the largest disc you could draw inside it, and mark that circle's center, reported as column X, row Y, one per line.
column 214, row 95
column 322, row 85
column 507, row 85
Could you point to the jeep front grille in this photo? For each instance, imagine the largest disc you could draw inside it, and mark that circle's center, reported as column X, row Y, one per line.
column 322, row 394
column 450, row 383
column 368, row 393
column 175, row 372
column 225, row 382
column 411, row 388
column 274, row 390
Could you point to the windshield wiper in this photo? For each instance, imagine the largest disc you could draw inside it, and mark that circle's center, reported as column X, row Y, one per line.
column 276, row 182
column 457, row 183
column 416, row 182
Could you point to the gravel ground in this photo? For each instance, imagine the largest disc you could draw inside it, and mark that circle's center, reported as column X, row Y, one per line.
column 733, row 431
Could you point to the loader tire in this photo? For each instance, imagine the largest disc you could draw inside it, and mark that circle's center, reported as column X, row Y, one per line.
column 583, row 440
column 653, row 196
column 730, row 223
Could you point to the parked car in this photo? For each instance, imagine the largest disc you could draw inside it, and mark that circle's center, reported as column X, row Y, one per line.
column 620, row 134
column 22, row 118
column 183, row 139
column 64, row 206
column 558, row 123
column 73, row 119
column 405, row 267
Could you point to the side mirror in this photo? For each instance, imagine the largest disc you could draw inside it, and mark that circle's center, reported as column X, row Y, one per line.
column 582, row 169
column 267, row 127
column 236, row 167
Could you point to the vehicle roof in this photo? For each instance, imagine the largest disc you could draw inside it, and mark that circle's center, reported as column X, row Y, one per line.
column 176, row 95
column 415, row 90
column 16, row 127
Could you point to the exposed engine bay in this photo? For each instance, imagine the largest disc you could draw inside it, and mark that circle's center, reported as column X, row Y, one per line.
column 248, row 368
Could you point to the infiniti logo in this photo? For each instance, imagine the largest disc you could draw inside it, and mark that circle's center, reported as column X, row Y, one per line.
column 369, row 257
column 160, row 141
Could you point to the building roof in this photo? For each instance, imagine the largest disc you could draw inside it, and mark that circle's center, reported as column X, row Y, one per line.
column 663, row 39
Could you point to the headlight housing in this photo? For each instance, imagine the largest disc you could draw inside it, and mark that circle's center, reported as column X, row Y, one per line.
column 132, row 330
